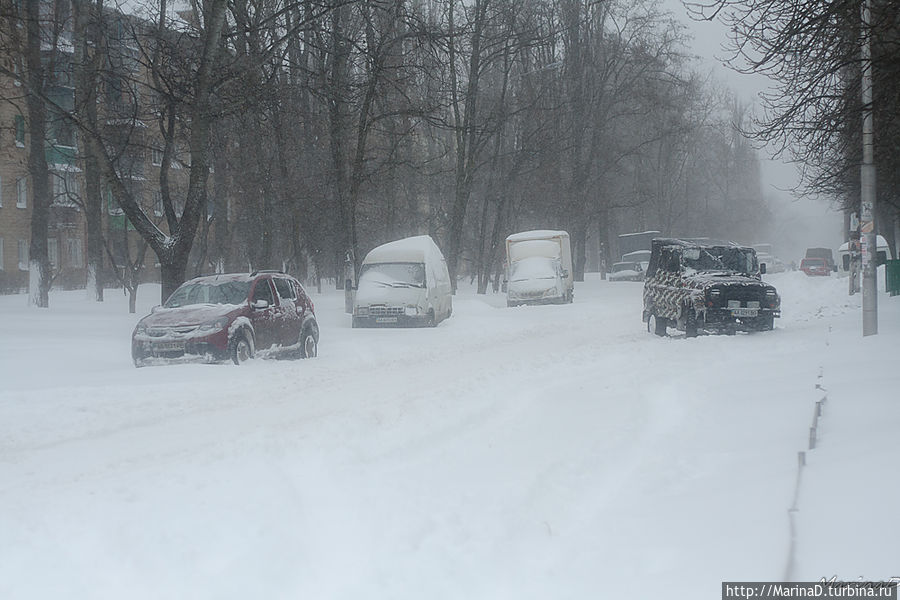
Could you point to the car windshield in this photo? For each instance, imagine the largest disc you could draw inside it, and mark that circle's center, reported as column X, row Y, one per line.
column 393, row 274
column 720, row 258
column 226, row 292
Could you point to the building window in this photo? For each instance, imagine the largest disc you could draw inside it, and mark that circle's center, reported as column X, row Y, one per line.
column 1, row 253
column 1, row 194
column 23, row 255
column 20, row 131
column 73, row 251
column 65, row 189
column 156, row 157
column 53, row 252
column 157, row 203
column 22, row 192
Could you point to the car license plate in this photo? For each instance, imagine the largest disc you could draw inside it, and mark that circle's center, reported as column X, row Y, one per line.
column 385, row 319
column 744, row 312
column 168, row 346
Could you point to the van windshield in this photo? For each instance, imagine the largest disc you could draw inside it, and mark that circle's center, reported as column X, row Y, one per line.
column 534, row 267
column 393, row 274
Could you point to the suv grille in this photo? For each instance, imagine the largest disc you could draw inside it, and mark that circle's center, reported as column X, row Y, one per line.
column 385, row 311
column 743, row 295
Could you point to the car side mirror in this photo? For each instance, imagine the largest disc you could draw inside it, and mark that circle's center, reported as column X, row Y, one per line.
column 260, row 304
column 565, row 273
column 834, row 268
column 762, row 268
column 156, row 308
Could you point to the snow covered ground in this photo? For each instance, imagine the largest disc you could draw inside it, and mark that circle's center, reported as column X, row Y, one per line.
column 534, row 452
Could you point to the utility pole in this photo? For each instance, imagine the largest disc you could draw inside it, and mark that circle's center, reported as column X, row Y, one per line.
column 867, row 176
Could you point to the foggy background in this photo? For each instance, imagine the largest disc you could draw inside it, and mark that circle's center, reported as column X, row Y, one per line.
column 798, row 222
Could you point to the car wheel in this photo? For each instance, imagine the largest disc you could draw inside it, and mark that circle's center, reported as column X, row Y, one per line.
column 690, row 326
column 657, row 325
column 241, row 349
column 430, row 321
column 309, row 347
column 766, row 323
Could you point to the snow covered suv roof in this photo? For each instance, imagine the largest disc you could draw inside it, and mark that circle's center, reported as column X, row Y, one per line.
column 694, row 242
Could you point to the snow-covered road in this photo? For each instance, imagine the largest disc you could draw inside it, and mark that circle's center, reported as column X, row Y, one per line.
column 536, row 452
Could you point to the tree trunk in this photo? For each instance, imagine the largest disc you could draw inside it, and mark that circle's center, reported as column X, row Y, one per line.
column 86, row 67
column 579, row 248
column 39, row 263
column 172, row 275
column 464, row 121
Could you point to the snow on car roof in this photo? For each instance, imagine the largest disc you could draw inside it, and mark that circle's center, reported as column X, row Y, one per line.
column 537, row 234
column 411, row 249
column 220, row 277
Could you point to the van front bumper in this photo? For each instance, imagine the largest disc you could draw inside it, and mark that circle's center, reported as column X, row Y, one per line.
column 390, row 321
column 535, row 301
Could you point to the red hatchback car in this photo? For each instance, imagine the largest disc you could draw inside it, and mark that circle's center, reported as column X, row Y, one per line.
column 233, row 316
column 815, row 267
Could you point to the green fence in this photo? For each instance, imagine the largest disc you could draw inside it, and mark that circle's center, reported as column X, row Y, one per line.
column 892, row 277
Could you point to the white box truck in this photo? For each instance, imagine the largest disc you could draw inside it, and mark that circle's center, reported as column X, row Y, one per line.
column 539, row 268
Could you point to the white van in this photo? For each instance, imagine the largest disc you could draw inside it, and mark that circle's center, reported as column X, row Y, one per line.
column 539, row 268
column 882, row 253
column 403, row 283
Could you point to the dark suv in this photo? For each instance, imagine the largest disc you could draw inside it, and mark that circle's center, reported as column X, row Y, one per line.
column 709, row 285
column 233, row 316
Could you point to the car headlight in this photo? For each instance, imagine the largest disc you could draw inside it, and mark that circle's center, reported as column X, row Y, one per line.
column 411, row 310
column 140, row 329
column 362, row 311
column 214, row 325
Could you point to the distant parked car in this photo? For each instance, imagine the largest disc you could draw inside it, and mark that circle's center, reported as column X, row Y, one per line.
column 627, row 271
column 229, row 317
column 815, row 267
column 773, row 263
column 825, row 254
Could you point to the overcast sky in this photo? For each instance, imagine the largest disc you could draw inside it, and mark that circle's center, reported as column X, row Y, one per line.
column 799, row 223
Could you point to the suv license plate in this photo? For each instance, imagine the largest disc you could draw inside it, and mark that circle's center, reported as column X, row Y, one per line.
column 744, row 312
column 386, row 319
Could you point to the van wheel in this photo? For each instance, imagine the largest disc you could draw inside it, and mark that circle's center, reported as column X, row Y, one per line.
column 657, row 325
column 241, row 348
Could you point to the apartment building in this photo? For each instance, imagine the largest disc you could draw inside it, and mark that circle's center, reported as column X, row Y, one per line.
column 128, row 126
column 66, row 237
